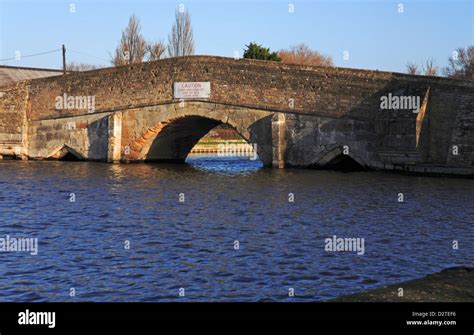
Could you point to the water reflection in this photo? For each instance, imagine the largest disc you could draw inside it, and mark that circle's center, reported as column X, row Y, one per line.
column 224, row 165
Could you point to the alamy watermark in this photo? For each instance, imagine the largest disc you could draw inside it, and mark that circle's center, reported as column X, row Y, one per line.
column 75, row 102
column 400, row 102
column 348, row 244
column 229, row 149
column 19, row 244
column 37, row 318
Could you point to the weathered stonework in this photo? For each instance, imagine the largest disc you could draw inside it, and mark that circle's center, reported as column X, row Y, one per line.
column 13, row 126
column 278, row 140
column 114, row 138
column 297, row 115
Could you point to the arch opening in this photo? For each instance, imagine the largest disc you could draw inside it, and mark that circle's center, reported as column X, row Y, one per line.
column 344, row 163
column 336, row 158
column 65, row 153
column 69, row 157
column 174, row 142
column 190, row 137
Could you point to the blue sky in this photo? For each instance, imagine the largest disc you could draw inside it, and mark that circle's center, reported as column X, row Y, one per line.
column 373, row 32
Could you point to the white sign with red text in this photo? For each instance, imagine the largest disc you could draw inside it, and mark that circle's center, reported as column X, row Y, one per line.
column 192, row 90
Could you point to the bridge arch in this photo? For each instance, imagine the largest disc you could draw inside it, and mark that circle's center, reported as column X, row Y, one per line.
column 65, row 152
column 167, row 133
column 337, row 158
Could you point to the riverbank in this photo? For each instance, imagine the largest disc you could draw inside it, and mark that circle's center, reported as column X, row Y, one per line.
column 454, row 284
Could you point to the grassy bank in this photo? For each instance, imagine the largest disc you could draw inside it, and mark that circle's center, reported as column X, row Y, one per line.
column 450, row 285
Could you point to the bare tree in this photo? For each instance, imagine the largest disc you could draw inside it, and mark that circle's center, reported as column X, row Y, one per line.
column 132, row 47
column 73, row 66
column 180, row 40
column 156, row 50
column 430, row 69
column 302, row 54
column 412, row 68
column 461, row 64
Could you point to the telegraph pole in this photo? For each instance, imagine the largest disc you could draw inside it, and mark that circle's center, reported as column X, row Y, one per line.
column 64, row 59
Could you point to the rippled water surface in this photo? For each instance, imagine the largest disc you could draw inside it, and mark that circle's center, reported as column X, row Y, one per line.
column 190, row 244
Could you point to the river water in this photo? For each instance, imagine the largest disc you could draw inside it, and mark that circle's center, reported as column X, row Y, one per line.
column 223, row 229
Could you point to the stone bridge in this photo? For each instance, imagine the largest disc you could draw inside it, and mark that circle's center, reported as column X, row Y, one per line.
column 298, row 116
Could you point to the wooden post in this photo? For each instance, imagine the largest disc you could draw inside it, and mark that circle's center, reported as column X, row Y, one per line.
column 64, row 59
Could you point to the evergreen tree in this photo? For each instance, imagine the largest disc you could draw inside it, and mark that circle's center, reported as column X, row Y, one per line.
column 256, row 51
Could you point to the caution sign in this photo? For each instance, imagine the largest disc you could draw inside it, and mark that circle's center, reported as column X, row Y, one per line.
column 192, row 90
